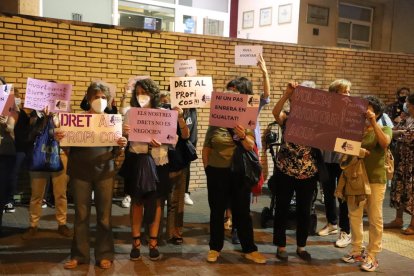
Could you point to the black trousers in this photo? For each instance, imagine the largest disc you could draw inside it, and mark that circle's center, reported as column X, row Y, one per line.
column 285, row 187
column 334, row 171
column 224, row 187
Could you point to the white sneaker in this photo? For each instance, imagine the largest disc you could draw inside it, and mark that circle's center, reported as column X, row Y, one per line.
column 329, row 229
column 187, row 199
column 44, row 205
column 370, row 264
column 343, row 240
column 126, row 202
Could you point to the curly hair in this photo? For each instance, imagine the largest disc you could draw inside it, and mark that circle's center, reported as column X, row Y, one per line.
column 151, row 88
column 376, row 104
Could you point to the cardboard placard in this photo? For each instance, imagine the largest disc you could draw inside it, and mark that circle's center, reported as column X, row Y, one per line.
column 40, row 93
column 327, row 121
column 149, row 123
column 185, row 68
column 90, row 130
column 190, row 92
column 231, row 109
column 247, row 54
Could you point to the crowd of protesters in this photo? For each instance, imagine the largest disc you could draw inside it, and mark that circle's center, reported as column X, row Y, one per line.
column 150, row 179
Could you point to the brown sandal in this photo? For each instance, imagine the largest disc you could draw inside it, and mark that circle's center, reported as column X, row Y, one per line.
column 105, row 264
column 409, row 230
column 71, row 264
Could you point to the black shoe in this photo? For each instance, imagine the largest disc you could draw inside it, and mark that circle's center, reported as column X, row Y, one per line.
column 135, row 254
column 154, row 254
column 234, row 237
column 65, row 231
column 282, row 255
column 304, row 255
column 176, row 241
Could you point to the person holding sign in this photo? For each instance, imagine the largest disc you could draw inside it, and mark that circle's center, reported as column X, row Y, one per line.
column 343, row 87
column 92, row 169
column 296, row 171
column 375, row 142
column 146, row 173
column 227, row 189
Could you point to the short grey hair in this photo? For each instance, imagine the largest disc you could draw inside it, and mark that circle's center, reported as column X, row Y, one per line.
column 309, row 83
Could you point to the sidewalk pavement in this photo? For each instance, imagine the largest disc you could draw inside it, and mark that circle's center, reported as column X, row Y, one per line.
column 46, row 253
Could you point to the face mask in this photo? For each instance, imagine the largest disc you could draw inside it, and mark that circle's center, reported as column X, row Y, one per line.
column 18, row 101
column 144, row 100
column 401, row 99
column 99, row 105
column 405, row 108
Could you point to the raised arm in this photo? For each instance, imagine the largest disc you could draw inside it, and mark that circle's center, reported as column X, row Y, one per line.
column 266, row 82
column 279, row 115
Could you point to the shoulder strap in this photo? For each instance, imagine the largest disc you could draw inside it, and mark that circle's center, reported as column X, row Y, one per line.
column 384, row 123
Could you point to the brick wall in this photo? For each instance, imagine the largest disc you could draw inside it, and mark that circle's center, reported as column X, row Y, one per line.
column 76, row 53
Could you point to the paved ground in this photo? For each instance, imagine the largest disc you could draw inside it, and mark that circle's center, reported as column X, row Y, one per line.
column 45, row 254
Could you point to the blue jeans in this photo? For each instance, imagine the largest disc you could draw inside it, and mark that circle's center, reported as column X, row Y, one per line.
column 104, row 243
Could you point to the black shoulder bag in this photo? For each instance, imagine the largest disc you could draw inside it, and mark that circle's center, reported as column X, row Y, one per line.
column 245, row 163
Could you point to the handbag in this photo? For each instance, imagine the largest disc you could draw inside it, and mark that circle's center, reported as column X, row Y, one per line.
column 245, row 163
column 182, row 155
column 46, row 151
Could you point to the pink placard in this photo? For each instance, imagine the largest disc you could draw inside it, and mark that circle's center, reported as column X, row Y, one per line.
column 7, row 105
column 327, row 121
column 40, row 93
column 231, row 109
column 148, row 123
column 90, row 130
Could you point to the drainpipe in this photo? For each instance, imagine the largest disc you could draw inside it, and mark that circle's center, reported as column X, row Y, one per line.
column 234, row 12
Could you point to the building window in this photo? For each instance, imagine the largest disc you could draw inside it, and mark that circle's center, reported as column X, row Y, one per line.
column 354, row 26
column 76, row 17
column 144, row 16
column 213, row 27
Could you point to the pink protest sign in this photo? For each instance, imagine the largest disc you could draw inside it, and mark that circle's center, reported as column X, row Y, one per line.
column 90, row 130
column 231, row 109
column 40, row 93
column 7, row 105
column 147, row 124
column 327, row 121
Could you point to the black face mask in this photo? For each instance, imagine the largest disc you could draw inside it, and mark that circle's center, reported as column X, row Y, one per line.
column 401, row 99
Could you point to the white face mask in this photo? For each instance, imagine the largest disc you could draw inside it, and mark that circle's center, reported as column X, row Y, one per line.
column 99, row 105
column 18, row 101
column 405, row 108
column 144, row 100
